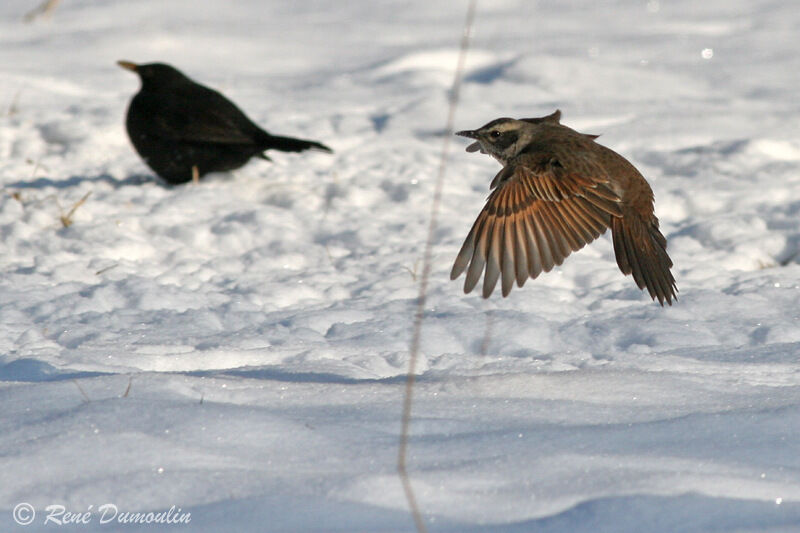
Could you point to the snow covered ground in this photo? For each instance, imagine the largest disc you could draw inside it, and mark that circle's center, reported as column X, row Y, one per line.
column 237, row 349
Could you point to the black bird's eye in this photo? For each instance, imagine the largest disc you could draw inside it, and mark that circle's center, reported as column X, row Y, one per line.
column 495, row 134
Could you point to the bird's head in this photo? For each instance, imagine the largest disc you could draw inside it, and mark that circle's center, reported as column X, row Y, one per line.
column 154, row 75
column 505, row 138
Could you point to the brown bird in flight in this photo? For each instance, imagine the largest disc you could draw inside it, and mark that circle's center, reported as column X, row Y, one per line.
column 558, row 191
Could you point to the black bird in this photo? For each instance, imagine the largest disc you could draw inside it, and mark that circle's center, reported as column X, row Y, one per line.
column 558, row 191
column 184, row 130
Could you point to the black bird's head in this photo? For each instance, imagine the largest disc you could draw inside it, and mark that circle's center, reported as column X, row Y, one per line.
column 156, row 75
column 505, row 138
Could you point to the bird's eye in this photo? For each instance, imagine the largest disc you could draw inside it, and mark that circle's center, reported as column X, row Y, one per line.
column 495, row 134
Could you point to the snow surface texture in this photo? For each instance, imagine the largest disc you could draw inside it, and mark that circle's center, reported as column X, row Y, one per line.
column 237, row 348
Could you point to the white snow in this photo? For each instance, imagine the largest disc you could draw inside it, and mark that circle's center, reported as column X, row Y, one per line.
column 237, row 349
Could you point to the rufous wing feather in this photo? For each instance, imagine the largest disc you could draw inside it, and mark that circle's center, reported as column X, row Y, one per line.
column 533, row 219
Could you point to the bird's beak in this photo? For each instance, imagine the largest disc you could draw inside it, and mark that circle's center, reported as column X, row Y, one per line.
column 129, row 65
column 472, row 134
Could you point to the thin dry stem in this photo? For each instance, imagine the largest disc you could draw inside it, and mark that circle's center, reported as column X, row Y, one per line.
column 13, row 107
column 413, row 271
column 46, row 8
column 330, row 256
column 106, row 269
column 66, row 220
column 128, row 388
column 83, row 392
column 37, row 166
column 426, row 271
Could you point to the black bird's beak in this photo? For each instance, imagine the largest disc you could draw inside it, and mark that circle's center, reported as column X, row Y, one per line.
column 129, row 65
column 472, row 134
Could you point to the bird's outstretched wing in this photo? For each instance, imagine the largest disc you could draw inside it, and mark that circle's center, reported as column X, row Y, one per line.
column 538, row 213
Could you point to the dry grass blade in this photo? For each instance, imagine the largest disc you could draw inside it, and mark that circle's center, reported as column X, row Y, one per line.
column 66, row 220
column 83, row 392
column 425, row 276
column 16, row 195
column 128, row 388
column 13, row 107
column 46, row 8
column 106, row 269
column 413, row 271
column 330, row 256
column 37, row 166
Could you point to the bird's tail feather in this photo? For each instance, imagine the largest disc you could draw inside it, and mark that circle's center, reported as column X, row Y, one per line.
column 289, row 144
column 641, row 250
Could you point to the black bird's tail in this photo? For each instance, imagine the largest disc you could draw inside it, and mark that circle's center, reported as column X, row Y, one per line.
column 289, row 144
